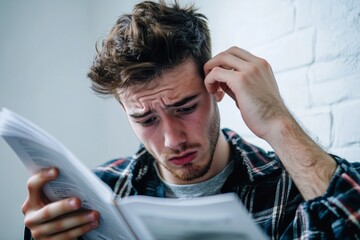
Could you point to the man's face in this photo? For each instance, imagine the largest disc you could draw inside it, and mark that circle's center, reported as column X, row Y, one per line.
column 178, row 122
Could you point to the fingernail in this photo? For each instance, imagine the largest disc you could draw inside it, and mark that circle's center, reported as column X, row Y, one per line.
column 72, row 203
column 50, row 172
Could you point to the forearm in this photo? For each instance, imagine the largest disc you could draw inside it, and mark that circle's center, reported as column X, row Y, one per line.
column 310, row 167
column 250, row 82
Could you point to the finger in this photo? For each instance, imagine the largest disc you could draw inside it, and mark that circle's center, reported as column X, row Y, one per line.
column 233, row 58
column 67, row 223
column 249, row 58
column 36, row 198
column 37, row 181
column 243, row 54
column 220, row 77
column 75, row 233
column 217, row 77
column 52, row 211
column 227, row 90
column 225, row 60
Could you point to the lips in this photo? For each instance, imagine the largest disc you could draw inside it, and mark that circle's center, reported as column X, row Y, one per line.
column 184, row 159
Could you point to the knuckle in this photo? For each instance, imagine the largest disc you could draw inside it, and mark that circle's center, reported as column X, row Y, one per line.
column 242, row 77
column 45, row 213
column 70, row 234
column 31, row 183
column 25, row 207
column 254, row 69
column 58, row 226
column 36, row 234
column 27, row 222
column 233, row 48
column 30, row 206
column 39, row 179
column 223, row 54
column 216, row 70
column 34, row 182
column 263, row 63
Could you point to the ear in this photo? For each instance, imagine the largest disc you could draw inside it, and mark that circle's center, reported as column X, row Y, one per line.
column 219, row 94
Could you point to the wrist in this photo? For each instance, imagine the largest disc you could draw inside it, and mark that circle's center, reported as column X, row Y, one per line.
column 304, row 159
column 282, row 129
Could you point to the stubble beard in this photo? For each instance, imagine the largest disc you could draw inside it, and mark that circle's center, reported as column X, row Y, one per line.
column 190, row 171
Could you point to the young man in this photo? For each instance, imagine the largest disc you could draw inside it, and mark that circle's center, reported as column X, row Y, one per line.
column 157, row 63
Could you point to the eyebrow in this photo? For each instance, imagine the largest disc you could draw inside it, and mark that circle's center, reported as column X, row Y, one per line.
column 182, row 101
column 176, row 104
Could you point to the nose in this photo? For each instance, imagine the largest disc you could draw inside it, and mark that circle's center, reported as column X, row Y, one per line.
column 174, row 133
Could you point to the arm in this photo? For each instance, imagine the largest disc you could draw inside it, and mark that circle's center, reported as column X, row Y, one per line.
column 249, row 80
column 58, row 220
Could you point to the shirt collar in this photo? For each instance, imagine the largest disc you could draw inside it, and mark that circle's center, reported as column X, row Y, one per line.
column 251, row 163
column 258, row 163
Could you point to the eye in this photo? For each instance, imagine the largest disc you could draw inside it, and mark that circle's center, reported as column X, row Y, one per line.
column 187, row 110
column 148, row 122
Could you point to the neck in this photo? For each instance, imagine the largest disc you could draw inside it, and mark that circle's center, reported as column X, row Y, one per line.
column 221, row 156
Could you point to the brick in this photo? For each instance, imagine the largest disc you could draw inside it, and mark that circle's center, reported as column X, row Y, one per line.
column 291, row 51
column 317, row 123
column 334, row 69
column 231, row 117
column 256, row 22
column 351, row 153
column 329, row 92
column 305, row 16
column 293, row 86
column 337, row 28
column 346, row 123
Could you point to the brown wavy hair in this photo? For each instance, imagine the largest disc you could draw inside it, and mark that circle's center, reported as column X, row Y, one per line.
column 155, row 37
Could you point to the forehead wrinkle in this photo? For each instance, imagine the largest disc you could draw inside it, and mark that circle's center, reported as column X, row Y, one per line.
column 169, row 88
column 162, row 97
column 147, row 104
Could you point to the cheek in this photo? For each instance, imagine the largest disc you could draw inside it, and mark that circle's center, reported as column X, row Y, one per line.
column 139, row 132
column 203, row 116
column 197, row 124
column 147, row 136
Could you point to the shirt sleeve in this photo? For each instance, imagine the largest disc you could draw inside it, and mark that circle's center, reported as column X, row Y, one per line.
column 27, row 234
column 336, row 214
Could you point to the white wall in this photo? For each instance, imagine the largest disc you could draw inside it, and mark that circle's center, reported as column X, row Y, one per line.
column 314, row 49
column 46, row 48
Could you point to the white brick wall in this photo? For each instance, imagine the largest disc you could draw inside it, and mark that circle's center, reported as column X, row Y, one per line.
column 314, row 49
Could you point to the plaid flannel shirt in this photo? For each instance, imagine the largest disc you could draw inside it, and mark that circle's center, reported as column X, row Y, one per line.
column 266, row 190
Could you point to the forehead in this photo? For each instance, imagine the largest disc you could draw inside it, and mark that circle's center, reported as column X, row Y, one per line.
column 173, row 85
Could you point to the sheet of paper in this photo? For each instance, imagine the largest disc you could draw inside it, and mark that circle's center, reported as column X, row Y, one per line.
column 215, row 217
column 39, row 150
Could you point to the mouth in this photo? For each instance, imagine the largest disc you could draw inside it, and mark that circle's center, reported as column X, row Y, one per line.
column 183, row 159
